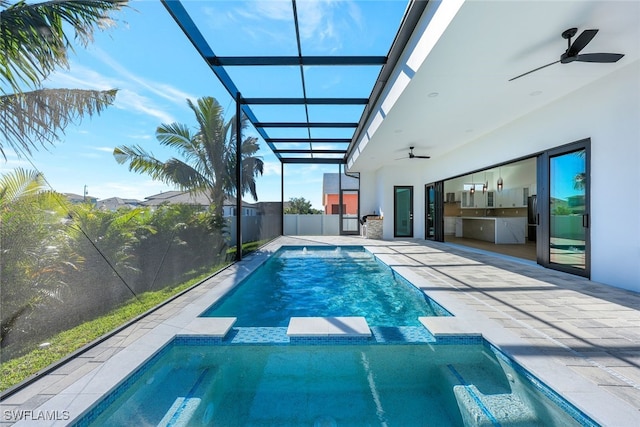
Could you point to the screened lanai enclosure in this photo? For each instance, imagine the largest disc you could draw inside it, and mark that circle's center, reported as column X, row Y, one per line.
column 219, row 108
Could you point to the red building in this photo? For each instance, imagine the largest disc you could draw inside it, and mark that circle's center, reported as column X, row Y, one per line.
column 331, row 184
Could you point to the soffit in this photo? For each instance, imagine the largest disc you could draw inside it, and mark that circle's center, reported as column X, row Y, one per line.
column 469, row 67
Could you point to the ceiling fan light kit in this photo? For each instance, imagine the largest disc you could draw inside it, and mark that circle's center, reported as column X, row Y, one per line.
column 572, row 54
column 415, row 156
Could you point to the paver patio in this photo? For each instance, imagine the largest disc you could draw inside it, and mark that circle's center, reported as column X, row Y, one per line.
column 580, row 337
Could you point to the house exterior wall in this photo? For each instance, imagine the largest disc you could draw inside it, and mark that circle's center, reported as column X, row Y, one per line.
column 369, row 204
column 228, row 211
column 349, row 200
column 606, row 111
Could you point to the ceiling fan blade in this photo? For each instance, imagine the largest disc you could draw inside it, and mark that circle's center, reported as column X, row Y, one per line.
column 421, row 157
column 534, row 70
column 599, row 57
column 582, row 40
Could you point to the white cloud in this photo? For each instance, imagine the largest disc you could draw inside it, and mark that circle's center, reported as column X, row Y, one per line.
column 104, row 149
column 271, row 169
column 130, row 100
column 80, row 77
column 126, row 78
column 260, row 10
column 12, row 162
column 144, row 136
column 324, row 23
column 126, row 98
column 131, row 87
column 311, row 171
column 321, row 22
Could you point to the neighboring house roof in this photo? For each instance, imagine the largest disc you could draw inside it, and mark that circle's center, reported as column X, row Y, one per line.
column 232, row 201
column 165, row 195
column 331, row 183
column 77, row 198
column 174, row 197
column 114, row 203
column 185, row 197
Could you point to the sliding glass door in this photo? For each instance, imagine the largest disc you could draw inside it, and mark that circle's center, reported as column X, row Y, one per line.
column 434, row 211
column 565, row 209
column 430, row 212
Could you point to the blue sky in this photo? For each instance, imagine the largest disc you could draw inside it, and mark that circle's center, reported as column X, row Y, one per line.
column 156, row 69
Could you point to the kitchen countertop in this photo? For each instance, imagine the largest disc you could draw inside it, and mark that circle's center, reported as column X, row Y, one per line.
column 490, row 218
column 499, row 230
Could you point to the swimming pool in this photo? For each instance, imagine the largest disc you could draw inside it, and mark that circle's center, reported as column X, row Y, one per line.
column 324, row 385
column 325, row 281
column 259, row 375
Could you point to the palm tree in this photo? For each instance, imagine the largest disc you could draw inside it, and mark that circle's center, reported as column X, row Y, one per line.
column 35, row 255
column 33, row 43
column 209, row 156
column 580, row 179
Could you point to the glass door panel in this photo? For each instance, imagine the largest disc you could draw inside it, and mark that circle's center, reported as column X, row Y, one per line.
column 403, row 211
column 430, row 212
column 568, row 214
column 350, row 212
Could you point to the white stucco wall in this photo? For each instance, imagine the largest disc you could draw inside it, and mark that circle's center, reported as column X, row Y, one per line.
column 368, row 204
column 608, row 112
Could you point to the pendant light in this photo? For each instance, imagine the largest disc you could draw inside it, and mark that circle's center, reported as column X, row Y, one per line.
column 500, row 182
column 485, row 185
column 473, row 186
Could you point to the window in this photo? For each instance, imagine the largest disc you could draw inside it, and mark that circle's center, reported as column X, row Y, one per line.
column 335, row 209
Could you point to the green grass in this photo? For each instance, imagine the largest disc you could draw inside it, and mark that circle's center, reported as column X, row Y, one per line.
column 16, row 370
column 246, row 248
column 65, row 343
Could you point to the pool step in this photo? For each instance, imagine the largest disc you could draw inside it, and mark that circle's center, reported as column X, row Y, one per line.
column 184, row 407
column 328, row 327
column 496, row 409
column 215, row 327
column 442, row 327
column 479, row 409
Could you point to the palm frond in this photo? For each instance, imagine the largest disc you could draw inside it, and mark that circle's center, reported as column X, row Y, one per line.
column 172, row 171
column 31, row 120
column 176, row 135
column 140, row 161
column 33, row 36
column 250, row 146
column 184, row 175
column 19, row 183
column 209, row 115
column 209, row 155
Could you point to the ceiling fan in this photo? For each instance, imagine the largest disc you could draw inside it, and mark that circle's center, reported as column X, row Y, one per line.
column 414, row 156
column 573, row 51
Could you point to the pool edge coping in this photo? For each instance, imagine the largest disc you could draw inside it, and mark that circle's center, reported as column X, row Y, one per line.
column 492, row 331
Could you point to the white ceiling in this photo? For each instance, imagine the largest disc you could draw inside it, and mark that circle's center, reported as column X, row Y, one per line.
column 486, row 44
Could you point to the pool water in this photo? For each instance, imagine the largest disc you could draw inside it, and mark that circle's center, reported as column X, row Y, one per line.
column 325, row 282
column 401, row 376
column 322, row 385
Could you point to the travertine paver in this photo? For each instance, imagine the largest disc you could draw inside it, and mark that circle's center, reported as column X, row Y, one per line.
column 557, row 325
